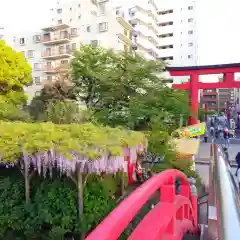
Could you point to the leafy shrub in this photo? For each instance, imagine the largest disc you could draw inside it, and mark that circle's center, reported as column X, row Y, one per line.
column 52, row 212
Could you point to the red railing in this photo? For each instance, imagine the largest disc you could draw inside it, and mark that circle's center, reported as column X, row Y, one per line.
column 174, row 215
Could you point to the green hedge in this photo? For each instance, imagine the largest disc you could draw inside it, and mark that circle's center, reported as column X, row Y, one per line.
column 52, row 211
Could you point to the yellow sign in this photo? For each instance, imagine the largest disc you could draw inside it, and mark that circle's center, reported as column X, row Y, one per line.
column 190, row 131
column 186, row 147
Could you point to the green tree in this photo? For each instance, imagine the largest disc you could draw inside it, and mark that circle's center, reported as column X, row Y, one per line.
column 87, row 66
column 15, row 72
column 58, row 90
column 65, row 112
column 164, row 105
column 107, row 82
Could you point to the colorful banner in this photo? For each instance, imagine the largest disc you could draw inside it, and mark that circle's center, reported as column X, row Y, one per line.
column 190, row 131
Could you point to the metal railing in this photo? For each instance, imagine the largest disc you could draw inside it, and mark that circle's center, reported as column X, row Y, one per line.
column 225, row 195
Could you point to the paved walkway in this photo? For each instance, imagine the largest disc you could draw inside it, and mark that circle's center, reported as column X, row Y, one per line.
column 204, row 151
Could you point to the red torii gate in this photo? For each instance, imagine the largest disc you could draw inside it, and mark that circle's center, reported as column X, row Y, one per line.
column 194, row 85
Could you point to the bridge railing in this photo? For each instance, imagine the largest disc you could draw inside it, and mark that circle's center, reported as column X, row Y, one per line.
column 174, row 214
column 224, row 201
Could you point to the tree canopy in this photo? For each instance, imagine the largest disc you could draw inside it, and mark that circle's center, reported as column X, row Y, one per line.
column 51, row 93
column 15, row 72
column 124, row 89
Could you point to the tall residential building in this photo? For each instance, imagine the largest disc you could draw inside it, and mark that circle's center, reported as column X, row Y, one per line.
column 225, row 98
column 73, row 23
column 144, row 19
column 178, row 32
column 209, row 97
column 177, row 26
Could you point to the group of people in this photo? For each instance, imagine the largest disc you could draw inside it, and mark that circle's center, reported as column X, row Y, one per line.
column 219, row 130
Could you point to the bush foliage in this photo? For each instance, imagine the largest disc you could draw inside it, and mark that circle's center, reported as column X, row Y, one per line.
column 83, row 139
column 52, row 212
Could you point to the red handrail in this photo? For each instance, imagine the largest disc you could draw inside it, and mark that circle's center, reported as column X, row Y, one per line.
column 171, row 217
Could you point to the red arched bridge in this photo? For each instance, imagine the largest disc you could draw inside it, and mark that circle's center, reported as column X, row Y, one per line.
column 178, row 214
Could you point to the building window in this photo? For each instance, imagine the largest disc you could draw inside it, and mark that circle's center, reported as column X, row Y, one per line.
column 74, row 46
column 30, row 53
column 23, row 53
column 37, row 93
column 22, row 41
column 61, row 49
column 37, row 80
column 189, row 56
column 59, row 10
column 88, row 28
column 79, row 16
column 190, row 32
column 49, row 78
column 103, row 27
column 64, row 62
column 94, row 43
column 190, row 44
column 79, row 5
column 132, row 14
column 36, row 66
column 60, row 21
column 190, row 8
column 36, row 38
column 70, row 9
column 102, row 8
column 73, row 31
column 190, row 20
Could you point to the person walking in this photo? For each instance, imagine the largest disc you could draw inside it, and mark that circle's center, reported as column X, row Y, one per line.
column 226, row 136
column 237, row 158
column 206, row 136
column 212, row 131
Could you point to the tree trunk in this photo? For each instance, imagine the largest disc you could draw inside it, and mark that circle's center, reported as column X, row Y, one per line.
column 80, row 196
column 26, row 176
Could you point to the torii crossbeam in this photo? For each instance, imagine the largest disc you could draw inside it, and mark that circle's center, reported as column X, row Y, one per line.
column 194, row 85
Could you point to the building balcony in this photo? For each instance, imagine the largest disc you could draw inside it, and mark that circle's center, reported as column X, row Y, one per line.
column 48, row 69
column 53, row 40
column 56, row 27
column 56, row 54
column 53, row 70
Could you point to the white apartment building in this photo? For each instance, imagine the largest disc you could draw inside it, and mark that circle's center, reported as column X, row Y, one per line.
column 73, row 23
column 177, row 26
column 166, row 31
column 143, row 17
column 178, row 32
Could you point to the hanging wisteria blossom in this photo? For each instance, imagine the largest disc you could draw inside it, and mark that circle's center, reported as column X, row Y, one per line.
column 46, row 161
